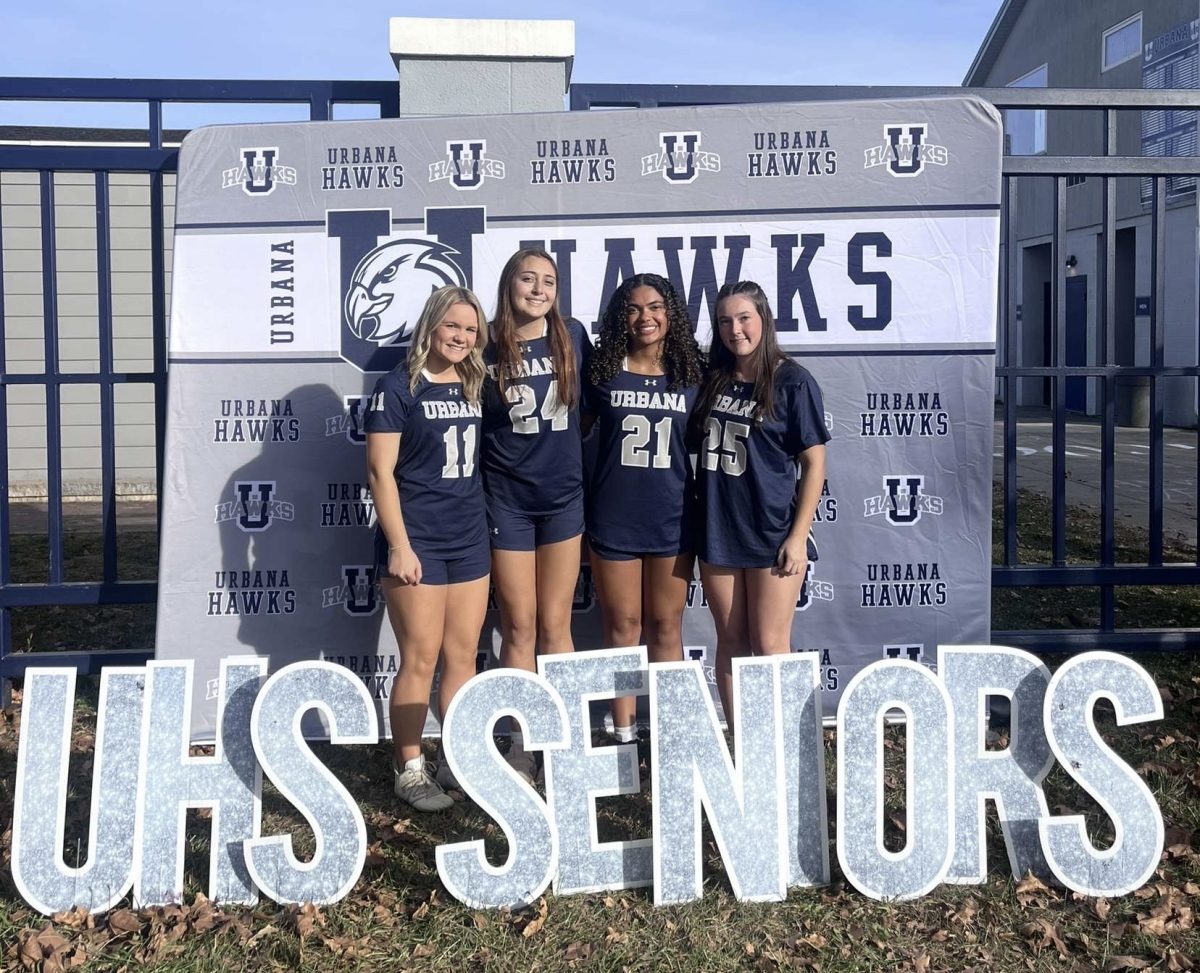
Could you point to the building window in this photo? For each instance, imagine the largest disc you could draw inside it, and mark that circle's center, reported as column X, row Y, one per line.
column 1025, row 129
column 1075, row 181
column 1121, row 43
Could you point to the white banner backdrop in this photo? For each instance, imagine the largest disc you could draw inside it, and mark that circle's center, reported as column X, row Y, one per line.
column 873, row 227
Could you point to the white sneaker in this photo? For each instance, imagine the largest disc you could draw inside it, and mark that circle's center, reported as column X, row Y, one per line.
column 523, row 763
column 416, row 786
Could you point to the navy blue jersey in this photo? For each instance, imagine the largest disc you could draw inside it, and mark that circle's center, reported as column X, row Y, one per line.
column 639, row 497
column 441, row 497
column 531, row 455
column 746, row 473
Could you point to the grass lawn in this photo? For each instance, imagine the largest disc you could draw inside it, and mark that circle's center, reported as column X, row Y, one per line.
column 398, row 917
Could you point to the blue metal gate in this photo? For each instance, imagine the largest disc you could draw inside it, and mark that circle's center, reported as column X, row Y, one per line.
column 155, row 160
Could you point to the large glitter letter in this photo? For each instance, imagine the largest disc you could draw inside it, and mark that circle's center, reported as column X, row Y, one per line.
column 804, row 769
column 337, row 824
column 690, row 769
column 1136, row 818
column 579, row 773
column 39, row 808
column 229, row 782
column 1011, row 777
column 929, row 778
column 499, row 791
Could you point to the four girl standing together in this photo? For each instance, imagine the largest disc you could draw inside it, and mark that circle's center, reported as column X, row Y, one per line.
column 475, row 464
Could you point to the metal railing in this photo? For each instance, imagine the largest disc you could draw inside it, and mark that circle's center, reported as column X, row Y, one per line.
column 1106, row 574
column 153, row 158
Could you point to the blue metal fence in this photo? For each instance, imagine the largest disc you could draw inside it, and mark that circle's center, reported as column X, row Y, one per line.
column 1107, row 574
column 155, row 160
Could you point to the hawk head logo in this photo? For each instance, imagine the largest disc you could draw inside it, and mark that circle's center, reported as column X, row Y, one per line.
column 389, row 288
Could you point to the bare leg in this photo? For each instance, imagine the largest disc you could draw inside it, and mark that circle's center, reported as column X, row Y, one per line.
column 619, row 588
column 665, row 589
column 466, row 604
column 725, row 589
column 417, row 613
column 771, row 604
column 557, row 572
column 515, row 574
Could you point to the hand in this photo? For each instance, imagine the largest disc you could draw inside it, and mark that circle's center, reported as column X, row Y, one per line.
column 403, row 565
column 792, row 558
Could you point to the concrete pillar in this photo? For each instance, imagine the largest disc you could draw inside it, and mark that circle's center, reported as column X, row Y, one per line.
column 481, row 67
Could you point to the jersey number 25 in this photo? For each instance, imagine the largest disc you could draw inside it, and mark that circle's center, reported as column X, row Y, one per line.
column 726, row 446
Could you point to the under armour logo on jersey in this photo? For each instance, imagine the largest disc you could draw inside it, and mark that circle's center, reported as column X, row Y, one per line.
column 465, row 165
column 455, row 391
column 914, row 653
column 680, row 159
column 650, row 381
column 258, row 173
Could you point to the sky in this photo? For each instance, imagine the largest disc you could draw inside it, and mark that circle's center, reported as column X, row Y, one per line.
column 880, row 42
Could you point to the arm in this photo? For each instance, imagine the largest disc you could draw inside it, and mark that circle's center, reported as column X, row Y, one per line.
column 383, row 449
column 793, row 553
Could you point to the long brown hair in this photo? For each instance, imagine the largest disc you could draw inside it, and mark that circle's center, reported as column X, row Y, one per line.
column 504, row 334
column 764, row 360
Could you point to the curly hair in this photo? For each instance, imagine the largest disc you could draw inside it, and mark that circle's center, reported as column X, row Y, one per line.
column 504, row 333
column 471, row 369
column 764, row 360
column 680, row 355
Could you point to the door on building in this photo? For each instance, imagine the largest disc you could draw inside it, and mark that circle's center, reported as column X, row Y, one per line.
column 1076, row 341
column 1076, row 325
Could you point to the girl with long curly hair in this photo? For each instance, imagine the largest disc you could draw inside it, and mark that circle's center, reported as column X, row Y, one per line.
column 533, row 465
column 431, row 545
column 763, row 422
column 643, row 383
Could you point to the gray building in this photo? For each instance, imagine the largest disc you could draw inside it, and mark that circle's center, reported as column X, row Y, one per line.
column 1101, row 44
column 78, row 349
column 444, row 66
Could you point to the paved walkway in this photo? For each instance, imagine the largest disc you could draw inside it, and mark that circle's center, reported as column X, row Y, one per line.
column 1035, row 461
column 30, row 516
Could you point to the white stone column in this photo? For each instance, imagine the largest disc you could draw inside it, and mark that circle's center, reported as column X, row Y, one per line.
column 481, row 67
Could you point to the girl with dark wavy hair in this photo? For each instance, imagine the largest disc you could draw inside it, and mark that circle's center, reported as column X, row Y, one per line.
column 763, row 422
column 533, row 465
column 643, row 383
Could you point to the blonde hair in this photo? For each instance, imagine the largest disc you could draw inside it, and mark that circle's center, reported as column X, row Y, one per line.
column 471, row 369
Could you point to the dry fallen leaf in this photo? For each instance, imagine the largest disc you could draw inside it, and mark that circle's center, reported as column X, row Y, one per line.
column 1127, row 963
column 122, row 922
column 1030, row 888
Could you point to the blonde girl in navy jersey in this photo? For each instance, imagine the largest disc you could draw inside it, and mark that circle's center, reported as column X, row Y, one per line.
column 643, row 381
column 432, row 556
column 762, row 420
column 533, row 464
